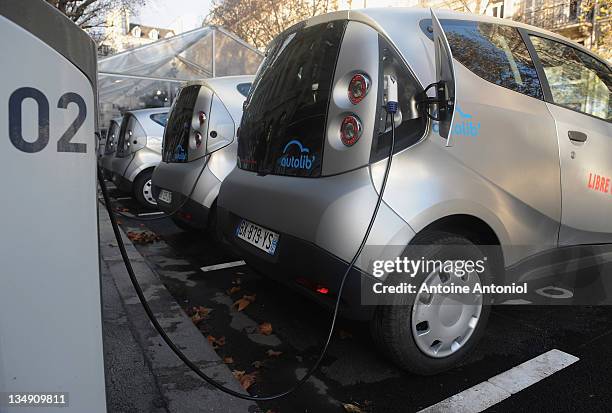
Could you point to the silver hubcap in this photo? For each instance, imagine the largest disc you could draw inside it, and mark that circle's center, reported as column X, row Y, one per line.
column 147, row 194
column 443, row 322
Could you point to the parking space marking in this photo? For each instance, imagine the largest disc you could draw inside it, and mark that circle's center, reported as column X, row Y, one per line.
column 223, row 266
column 144, row 214
column 488, row 393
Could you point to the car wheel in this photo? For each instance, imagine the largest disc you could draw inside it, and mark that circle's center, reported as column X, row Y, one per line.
column 143, row 190
column 429, row 333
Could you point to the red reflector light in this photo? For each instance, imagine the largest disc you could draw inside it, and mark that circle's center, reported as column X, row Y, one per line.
column 322, row 290
column 350, row 130
column 198, row 140
column 358, row 88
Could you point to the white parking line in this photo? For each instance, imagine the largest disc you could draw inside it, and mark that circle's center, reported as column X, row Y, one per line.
column 222, row 266
column 500, row 387
column 144, row 214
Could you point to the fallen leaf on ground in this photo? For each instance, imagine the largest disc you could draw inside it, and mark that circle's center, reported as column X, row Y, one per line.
column 142, row 237
column 198, row 313
column 246, row 380
column 244, row 302
column 273, row 353
column 265, row 328
column 233, row 290
column 241, row 304
column 228, row 360
column 257, row 364
column 216, row 342
column 352, row 408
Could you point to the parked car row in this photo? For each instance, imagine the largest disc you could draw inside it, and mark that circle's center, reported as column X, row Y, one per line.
column 502, row 155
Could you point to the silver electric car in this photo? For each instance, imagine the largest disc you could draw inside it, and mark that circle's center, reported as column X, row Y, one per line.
column 110, row 146
column 199, row 149
column 500, row 133
column 138, row 152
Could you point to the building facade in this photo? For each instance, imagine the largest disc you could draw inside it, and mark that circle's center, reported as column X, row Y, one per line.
column 121, row 34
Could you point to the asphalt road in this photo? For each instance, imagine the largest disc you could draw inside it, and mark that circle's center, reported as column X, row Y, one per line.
column 353, row 371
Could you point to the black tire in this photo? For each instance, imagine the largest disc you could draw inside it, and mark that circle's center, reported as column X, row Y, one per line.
column 139, row 185
column 391, row 326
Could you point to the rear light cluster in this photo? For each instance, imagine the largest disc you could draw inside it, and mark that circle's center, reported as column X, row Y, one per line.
column 358, row 88
column 197, row 137
column 350, row 129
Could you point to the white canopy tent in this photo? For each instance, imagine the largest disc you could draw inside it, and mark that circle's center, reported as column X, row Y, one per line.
column 150, row 75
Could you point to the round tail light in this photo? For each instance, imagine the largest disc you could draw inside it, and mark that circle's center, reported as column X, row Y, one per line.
column 198, row 140
column 358, row 88
column 350, row 130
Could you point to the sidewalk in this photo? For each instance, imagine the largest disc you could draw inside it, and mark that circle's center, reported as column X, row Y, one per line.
column 142, row 374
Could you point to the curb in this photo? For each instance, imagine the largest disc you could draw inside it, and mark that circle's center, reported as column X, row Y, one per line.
column 183, row 390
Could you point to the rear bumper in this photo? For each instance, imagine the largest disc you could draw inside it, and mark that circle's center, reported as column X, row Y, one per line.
column 321, row 222
column 191, row 213
column 304, row 267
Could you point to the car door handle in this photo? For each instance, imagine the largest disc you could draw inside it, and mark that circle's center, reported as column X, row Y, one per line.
column 576, row 136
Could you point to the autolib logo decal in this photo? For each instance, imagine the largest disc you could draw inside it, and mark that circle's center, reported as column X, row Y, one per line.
column 181, row 155
column 462, row 125
column 301, row 160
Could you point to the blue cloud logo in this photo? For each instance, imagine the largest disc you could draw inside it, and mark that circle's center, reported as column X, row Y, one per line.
column 181, row 155
column 300, row 161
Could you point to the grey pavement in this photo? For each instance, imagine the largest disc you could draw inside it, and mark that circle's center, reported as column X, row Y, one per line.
column 142, row 373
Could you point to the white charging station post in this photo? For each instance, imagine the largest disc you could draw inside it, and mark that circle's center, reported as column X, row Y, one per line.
column 50, row 307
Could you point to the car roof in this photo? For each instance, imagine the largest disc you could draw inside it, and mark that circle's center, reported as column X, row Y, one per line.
column 399, row 24
column 226, row 87
column 144, row 118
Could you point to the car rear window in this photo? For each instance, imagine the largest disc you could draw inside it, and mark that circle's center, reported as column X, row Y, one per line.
column 176, row 134
column 283, row 126
column 160, row 118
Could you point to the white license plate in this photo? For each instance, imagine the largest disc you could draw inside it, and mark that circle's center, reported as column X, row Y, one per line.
column 262, row 238
column 165, row 196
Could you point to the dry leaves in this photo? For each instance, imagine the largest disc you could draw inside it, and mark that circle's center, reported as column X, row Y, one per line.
column 142, row 237
column 228, row 360
column 244, row 302
column 352, row 408
column 265, row 328
column 198, row 313
column 216, row 342
column 273, row 353
column 246, row 380
column 233, row 290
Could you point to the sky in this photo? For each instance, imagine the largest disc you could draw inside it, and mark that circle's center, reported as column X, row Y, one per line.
column 180, row 15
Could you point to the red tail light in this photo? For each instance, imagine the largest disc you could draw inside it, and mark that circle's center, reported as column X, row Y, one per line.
column 322, row 290
column 350, row 130
column 358, row 88
column 198, row 140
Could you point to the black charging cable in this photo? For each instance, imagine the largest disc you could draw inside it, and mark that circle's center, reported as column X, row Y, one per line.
column 391, row 109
